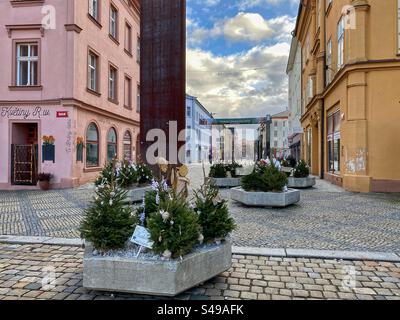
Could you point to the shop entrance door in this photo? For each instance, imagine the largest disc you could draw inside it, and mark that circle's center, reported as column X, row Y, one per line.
column 24, row 154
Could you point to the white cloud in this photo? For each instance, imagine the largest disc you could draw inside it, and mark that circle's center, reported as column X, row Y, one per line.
column 240, row 85
column 244, row 27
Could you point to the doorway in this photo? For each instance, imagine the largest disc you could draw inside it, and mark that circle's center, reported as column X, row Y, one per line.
column 24, row 154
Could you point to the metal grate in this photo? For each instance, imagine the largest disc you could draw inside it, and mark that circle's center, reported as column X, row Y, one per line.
column 24, row 158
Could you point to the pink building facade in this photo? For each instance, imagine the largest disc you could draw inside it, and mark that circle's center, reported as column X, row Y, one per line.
column 69, row 89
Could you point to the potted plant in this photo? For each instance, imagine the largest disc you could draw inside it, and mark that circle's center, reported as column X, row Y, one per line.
column 48, row 148
column 301, row 177
column 224, row 175
column 183, row 244
column 265, row 187
column 79, row 148
column 44, row 180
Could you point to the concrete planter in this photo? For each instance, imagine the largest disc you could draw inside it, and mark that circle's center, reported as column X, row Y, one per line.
column 301, row 183
column 160, row 278
column 137, row 194
column 226, row 182
column 266, row 199
column 245, row 171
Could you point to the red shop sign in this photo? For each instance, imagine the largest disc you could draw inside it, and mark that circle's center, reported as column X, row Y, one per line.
column 62, row 114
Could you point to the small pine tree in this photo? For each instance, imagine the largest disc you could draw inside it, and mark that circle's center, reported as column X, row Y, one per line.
column 218, row 171
column 302, row 170
column 108, row 223
column 213, row 214
column 265, row 178
column 174, row 228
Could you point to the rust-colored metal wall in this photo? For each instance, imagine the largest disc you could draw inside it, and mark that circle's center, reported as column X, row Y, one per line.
column 163, row 67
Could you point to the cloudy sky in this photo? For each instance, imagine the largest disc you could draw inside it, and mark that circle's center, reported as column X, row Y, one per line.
column 237, row 54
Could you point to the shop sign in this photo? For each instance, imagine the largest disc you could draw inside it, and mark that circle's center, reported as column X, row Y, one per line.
column 62, row 114
column 24, row 113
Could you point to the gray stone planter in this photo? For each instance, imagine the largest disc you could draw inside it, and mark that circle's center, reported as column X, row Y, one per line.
column 245, row 171
column 137, row 194
column 226, row 182
column 301, row 183
column 155, row 277
column 265, row 199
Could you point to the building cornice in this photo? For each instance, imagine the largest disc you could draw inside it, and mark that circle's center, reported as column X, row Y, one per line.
column 82, row 105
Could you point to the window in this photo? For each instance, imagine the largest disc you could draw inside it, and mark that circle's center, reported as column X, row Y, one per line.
column 27, row 64
column 128, row 93
column 329, row 62
column 128, row 38
column 111, row 145
column 112, row 83
column 189, row 111
column 93, row 71
column 113, row 22
column 138, row 99
column 128, row 146
column 94, row 9
column 340, row 32
column 138, row 50
column 92, row 146
column 310, row 88
column 333, row 139
column 309, row 146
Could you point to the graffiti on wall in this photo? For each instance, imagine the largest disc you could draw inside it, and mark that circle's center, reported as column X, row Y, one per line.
column 68, row 141
column 357, row 163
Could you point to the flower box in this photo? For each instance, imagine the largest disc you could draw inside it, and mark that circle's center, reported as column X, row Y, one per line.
column 301, row 183
column 226, row 182
column 265, row 199
column 155, row 277
column 48, row 152
column 137, row 194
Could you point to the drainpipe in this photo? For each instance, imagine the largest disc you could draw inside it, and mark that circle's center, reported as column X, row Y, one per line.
column 322, row 173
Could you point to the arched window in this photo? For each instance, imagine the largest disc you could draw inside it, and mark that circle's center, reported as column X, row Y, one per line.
column 128, row 146
column 111, row 145
column 92, row 146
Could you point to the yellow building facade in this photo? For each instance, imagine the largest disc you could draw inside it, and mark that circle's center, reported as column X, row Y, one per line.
column 351, row 91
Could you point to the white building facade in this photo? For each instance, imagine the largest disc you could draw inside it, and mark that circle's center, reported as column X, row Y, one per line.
column 279, row 135
column 198, row 132
column 295, row 130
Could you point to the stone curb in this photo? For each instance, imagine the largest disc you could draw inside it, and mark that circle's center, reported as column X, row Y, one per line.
column 251, row 251
column 319, row 254
column 42, row 240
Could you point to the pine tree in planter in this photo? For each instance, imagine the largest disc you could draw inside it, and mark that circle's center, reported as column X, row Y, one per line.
column 108, row 223
column 213, row 214
column 174, row 227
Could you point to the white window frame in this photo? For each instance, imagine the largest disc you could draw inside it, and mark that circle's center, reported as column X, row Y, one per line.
column 138, row 98
column 113, row 21
column 92, row 71
column 340, row 42
column 94, row 8
column 112, row 83
column 329, row 61
column 30, row 59
column 138, row 49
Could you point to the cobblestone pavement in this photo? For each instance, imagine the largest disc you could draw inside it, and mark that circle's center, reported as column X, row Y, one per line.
column 326, row 218
column 22, row 268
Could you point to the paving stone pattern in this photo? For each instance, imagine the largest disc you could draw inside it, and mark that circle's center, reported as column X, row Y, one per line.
column 22, row 268
column 326, row 218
